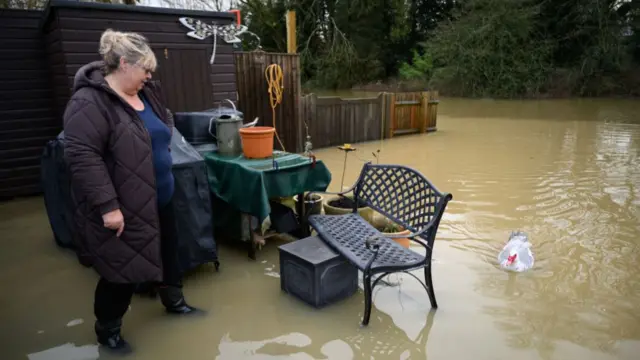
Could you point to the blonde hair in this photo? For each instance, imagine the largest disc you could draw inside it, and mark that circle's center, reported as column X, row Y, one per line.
column 132, row 46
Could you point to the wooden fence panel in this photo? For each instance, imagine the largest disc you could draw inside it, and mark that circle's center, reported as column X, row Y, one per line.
column 333, row 121
column 407, row 112
column 412, row 112
column 253, row 95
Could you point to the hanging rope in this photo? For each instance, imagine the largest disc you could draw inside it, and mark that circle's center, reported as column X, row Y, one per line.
column 274, row 76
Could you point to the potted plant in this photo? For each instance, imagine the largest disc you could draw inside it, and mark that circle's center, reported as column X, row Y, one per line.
column 388, row 227
column 395, row 229
column 343, row 204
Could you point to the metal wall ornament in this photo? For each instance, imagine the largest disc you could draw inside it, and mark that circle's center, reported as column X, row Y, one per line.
column 201, row 31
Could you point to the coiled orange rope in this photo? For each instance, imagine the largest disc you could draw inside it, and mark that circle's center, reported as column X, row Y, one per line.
column 274, row 76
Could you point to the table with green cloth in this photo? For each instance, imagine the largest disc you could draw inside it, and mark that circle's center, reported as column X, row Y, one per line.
column 247, row 185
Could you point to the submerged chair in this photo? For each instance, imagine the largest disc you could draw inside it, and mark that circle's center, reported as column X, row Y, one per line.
column 404, row 196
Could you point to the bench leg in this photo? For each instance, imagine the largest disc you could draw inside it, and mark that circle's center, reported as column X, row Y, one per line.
column 367, row 299
column 429, row 283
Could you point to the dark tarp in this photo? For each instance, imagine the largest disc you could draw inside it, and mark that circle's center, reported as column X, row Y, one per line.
column 192, row 201
column 192, row 204
column 57, row 196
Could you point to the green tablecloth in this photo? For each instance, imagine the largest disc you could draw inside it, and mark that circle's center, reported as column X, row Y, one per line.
column 248, row 184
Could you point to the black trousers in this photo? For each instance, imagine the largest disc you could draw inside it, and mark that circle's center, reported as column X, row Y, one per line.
column 112, row 299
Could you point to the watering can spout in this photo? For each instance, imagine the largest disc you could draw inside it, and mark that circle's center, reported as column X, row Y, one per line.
column 251, row 124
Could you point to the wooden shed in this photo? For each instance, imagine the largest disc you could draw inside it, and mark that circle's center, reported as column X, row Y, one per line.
column 26, row 118
column 72, row 32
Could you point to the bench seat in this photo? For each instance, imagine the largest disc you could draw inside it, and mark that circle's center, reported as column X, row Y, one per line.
column 348, row 234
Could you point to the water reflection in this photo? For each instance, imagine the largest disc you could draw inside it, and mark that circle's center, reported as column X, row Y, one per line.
column 585, row 219
column 335, row 349
column 67, row 352
column 340, row 336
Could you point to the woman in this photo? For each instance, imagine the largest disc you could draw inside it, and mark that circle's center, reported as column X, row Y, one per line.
column 117, row 138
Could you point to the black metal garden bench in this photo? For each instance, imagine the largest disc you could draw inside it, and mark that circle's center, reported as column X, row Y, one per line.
column 404, row 196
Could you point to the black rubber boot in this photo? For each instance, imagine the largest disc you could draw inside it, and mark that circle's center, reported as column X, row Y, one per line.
column 173, row 300
column 109, row 336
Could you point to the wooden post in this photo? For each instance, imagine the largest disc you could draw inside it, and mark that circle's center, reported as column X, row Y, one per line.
column 425, row 111
column 291, row 32
column 412, row 117
column 383, row 115
column 392, row 114
column 432, row 111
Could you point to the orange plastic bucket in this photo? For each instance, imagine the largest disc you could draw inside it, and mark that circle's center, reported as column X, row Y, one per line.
column 257, row 142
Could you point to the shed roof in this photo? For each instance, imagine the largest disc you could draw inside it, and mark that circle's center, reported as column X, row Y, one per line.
column 76, row 4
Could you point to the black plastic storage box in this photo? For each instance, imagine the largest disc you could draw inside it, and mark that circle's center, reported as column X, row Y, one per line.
column 311, row 271
column 197, row 127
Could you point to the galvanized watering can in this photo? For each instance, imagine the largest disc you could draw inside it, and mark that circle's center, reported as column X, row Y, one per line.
column 227, row 132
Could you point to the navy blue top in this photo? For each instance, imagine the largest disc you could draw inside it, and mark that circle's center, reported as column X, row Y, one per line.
column 162, row 162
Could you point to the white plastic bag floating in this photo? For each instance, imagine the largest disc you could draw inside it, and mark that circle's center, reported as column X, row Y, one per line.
column 516, row 255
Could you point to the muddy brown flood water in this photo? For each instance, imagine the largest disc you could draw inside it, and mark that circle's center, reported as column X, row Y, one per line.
column 565, row 171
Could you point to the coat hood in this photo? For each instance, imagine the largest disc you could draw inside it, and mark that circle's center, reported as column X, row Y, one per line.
column 90, row 75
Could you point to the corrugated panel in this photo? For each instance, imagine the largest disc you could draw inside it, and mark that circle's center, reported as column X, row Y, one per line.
column 26, row 119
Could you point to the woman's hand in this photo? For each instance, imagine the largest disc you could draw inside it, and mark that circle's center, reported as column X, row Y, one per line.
column 114, row 220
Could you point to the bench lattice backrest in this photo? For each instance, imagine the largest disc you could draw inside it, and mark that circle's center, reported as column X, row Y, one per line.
column 403, row 195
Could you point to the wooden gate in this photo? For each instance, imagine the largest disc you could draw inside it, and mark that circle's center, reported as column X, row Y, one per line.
column 413, row 112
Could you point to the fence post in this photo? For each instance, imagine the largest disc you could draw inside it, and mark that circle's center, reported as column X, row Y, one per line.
column 381, row 103
column 384, row 108
column 432, row 111
column 291, row 31
column 424, row 125
column 392, row 114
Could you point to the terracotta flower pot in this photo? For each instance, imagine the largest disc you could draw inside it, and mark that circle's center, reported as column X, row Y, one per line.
column 257, row 142
column 405, row 242
column 381, row 222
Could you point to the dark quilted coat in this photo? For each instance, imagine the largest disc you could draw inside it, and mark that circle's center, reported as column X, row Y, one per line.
column 109, row 155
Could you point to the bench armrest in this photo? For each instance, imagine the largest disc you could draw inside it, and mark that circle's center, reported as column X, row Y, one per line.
column 411, row 236
column 401, row 236
column 372, row 245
